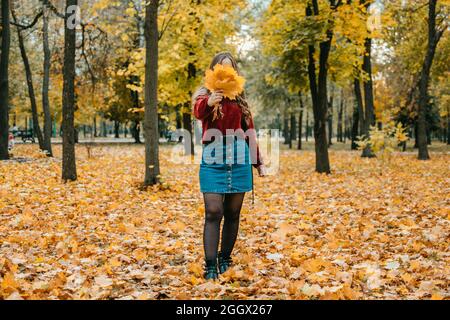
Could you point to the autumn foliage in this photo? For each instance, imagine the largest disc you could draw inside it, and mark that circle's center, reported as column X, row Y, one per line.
column 356, row 234
column 225, row 78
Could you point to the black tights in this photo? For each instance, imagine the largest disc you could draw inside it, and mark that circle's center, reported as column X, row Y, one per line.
column 217, row 206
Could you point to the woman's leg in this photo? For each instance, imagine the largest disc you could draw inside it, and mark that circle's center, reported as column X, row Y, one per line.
column 232, row 210
column 213, row 217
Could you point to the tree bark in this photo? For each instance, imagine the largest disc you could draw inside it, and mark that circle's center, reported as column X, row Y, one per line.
column 187, row 118
column 356, row 122
column 448, row 129
column 178, row 120
column 307, row 126
column 94, row 125
column 330, row 119
column 4, row 81
column 292, row 129
column 360, row 105
column 434, row 36
column 319, row 94
column 45, row 85
column 69, row 170
column 300, row 121
column 136, row 132
column 286, row 129
column 151, row 94
column 31, row 94
column 187, row 125
column 340, row 130
column 369, row 114
column 116, row 129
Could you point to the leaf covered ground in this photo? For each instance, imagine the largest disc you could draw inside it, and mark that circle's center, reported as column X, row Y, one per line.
column 364, row 232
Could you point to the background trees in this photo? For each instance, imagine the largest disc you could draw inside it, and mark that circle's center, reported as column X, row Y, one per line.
column 320, row 68
column 409, row 51
column 360, row 48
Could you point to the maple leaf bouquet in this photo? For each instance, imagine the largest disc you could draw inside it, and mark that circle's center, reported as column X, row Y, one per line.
column 224, row 78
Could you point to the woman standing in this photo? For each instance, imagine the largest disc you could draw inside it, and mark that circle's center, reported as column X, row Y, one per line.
column 225, row 172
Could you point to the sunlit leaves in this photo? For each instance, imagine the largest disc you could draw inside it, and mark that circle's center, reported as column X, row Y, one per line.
column 355, row 234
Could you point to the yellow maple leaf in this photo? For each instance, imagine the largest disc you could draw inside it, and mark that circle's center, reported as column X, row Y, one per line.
column 9, row 283
column 225, row 78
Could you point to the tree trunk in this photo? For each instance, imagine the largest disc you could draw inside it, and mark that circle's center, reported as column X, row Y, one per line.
column 94, row 125
column 4, row 81
column 286, row 129
column 369, row 114
column 319, row 94
column 29, row 77
column 45, row 85
column 448, row 129
column 69, row 170
column 360, row 105
column 103, row 132
column 151, row 94
column 187, row 125
column 434, row 36
column 307, row 126
column 187, row 118
column 178, row 117
column 116, row 129
column 300, row 121
column 415, row 135
column 136, row 132
column 330, row 119
column 292, row 129
column 340, row 130
column 355, row 125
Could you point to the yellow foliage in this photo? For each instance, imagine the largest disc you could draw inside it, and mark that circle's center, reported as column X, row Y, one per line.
column 225, row 78
column 102, row 237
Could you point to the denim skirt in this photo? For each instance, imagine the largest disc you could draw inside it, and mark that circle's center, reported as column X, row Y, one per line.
column 226, row 167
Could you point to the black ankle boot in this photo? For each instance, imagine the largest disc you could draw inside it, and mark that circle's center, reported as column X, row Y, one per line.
column 211, row 270
column 224, row 262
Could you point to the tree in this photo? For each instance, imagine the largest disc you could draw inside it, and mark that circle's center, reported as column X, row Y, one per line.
column 300, row 121
column 29, row 76
column 406, row 38
column 434, row 35
column 46, row 83
column 318, row 87
column 369, row 114
column 151, row 94
column 69, row 171
column 331, row 35
column 4, row 81
column 340, row 127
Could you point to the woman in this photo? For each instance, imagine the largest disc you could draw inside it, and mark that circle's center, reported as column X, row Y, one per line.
column 224, row 178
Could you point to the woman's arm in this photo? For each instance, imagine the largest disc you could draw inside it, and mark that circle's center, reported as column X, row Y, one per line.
column 201, row 108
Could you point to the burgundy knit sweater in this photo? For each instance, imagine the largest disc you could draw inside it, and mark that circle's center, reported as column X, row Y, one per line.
column 231, row 119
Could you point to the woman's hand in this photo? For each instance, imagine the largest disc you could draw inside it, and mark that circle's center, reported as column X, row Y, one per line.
column 215, row 98
column 262, row 171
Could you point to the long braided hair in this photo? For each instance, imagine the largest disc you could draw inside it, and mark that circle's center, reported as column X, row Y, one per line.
column 240, row 99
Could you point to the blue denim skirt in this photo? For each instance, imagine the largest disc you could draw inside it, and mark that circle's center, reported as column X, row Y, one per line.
column 226, row 167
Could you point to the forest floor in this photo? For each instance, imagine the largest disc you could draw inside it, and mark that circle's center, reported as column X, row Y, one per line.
column 367, row 231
